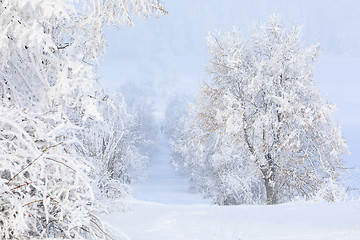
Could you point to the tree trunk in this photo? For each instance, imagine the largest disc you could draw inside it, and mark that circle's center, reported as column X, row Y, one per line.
column 269, row 176
column 270, row 191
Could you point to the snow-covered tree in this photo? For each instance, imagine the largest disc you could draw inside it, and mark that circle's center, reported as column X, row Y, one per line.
column 114, row 145
column 263, row 132
column 45, row 192
column 176, row 116
column 140, row 104
column 49, row 49
column 48, row 85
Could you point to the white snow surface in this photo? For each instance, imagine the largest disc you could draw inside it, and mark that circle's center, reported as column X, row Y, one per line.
column 163, row 208
column 163, row 185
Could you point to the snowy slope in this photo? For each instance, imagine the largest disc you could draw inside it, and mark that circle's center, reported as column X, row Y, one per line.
column 153, row 221
column 164, row 209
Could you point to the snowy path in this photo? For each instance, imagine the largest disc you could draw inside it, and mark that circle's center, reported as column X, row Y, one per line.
column 162, row 184
column 164, row 209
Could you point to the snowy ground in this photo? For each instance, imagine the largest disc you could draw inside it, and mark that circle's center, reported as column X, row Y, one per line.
column 164, row 209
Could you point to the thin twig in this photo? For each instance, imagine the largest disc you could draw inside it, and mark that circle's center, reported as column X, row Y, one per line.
column 106, row 234
column 61, row 163
column 160, row 8
column 62, row 47
column 53, row 146
column 32, row 202
column 53, row 199
column 22, row 185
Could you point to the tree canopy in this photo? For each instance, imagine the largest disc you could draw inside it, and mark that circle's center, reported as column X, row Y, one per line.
column 263, row 134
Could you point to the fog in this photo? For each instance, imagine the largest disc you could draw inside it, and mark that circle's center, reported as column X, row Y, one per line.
column 168, row 56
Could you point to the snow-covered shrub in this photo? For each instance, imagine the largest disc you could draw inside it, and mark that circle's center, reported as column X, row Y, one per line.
column 48, row 58
column 176, row 116
column 259, row 131
column 213, row 163
column 140, row 104
column 112, row 144
column 45, row 192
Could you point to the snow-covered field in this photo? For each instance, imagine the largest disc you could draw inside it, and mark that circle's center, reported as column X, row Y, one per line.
column 164, row 209
column 158, row 221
